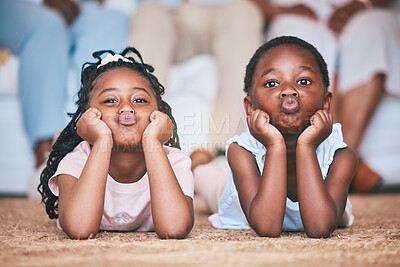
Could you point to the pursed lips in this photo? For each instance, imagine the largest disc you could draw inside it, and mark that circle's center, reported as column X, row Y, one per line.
column 290, row 104
column 127, row 118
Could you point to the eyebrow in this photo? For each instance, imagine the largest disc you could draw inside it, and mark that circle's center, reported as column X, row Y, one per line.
column 116, row 89
column 268, row 71
column 306, row 68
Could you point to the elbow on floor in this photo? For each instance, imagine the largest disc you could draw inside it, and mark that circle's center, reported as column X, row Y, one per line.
column 267, row 231
column 80, row 234
column 174, row 232
column 320, row 232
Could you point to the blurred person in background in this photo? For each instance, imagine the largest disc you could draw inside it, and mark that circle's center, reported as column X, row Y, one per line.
column 360, row 40
column 49, row 37
column 168, row 32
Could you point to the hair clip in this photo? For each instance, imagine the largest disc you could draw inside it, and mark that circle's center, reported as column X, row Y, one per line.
column 113, row 58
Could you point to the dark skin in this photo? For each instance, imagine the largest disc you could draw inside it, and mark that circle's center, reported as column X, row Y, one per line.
column 125, row 150
column 270, row 11
column 336, row 22
column 69, row 9
column 342, row 14
column 291, row 133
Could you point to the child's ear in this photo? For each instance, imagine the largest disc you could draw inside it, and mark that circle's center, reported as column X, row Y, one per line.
column 248, row 105
column 327, row 101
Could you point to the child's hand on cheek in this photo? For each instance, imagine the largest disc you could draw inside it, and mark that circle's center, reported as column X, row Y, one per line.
column 261, row 128
column 160, row 128
column 91, row 128
column 318, row 131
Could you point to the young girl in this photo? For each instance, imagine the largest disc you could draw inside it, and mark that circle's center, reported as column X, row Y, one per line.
column 109, row 169
column 291, row 171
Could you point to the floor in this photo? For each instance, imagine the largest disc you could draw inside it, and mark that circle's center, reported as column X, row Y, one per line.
column 29, row 238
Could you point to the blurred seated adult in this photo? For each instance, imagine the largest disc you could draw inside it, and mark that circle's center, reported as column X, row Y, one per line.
column 168, row 32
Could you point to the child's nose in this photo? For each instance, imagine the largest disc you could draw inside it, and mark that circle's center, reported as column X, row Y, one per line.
column 289, row 89
column 127, row 107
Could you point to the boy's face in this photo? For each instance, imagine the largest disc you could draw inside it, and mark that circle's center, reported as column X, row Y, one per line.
column 287, row 84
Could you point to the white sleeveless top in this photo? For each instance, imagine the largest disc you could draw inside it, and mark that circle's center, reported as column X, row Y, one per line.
column 230, row 214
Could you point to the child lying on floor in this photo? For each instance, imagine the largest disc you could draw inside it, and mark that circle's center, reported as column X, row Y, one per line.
column 109, row 168
column 291, row 171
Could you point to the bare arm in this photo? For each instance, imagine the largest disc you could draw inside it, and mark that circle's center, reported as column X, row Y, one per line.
column 81, row 201
column 263, row 199
column 270, row 11
column 342, row 14
column 69, row 9
column 172, row 210
column 322, row 202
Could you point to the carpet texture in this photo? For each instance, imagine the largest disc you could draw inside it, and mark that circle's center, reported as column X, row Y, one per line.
column 29, row 238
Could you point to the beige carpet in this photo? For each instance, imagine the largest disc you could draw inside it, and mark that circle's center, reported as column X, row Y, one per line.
column 29, row 238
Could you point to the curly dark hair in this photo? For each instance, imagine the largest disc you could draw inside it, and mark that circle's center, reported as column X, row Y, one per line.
column 278, row 41
column 69, row 139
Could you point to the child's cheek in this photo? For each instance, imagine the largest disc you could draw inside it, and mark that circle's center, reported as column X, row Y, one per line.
column 110, row 120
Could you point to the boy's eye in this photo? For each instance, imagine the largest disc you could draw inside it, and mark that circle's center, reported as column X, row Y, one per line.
column 270, row 84
column 110, row 100
column 304, row 82
column 139, row 100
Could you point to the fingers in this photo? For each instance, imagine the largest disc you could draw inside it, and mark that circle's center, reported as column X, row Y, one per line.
column 257, row 118
column 90, row 127
column 158, row 115
column 89, row 118
column 160, row 128
column 160, row 118
column 93, row 113
column 322, row 119
column 154, row 115
column 254, row 116
column 251, row 118
column 327, row 117
column 320, row 128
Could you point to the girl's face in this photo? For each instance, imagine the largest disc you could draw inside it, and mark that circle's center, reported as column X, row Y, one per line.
column 125, row 101
column 287, row 84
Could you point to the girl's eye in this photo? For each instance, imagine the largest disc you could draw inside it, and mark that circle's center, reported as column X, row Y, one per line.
column 139, row 100
column 271, row 84
column 304, row 82
column 110, row 101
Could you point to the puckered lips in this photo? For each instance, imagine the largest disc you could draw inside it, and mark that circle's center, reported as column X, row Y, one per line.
column 127, row 118
column 290, row 104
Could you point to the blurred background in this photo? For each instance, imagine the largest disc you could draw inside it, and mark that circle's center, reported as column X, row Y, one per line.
column 199, row 50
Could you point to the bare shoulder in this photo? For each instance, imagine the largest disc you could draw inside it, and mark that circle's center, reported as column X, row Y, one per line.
column 242, row 162
column 237, row 154
column 346, row 154
column 343, row 166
